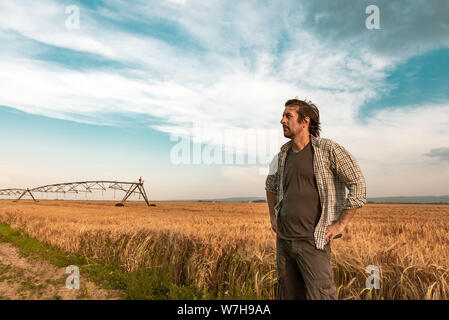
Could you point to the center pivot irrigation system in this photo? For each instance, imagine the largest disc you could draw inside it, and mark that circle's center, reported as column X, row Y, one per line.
column 84, row 186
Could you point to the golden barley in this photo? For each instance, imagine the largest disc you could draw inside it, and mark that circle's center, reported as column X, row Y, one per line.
column 229, row 248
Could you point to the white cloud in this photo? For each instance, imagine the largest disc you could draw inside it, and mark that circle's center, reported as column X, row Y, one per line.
column 45, row 22
column 174, row 84
column 392, row 146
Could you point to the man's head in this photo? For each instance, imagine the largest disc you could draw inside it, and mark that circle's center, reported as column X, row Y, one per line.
column 300, row 116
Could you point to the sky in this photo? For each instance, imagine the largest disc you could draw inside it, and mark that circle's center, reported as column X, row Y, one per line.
column 109, row 90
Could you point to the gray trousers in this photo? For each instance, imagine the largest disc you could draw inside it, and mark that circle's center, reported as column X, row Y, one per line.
column 304, row 272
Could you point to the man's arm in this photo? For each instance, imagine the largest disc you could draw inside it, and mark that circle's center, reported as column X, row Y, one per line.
column 347, row 168
column 271, row 187
column 272, row 200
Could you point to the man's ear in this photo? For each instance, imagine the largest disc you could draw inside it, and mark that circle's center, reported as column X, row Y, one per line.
column 306, row 120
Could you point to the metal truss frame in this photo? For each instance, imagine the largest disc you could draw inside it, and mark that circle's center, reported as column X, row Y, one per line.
column 82, row 186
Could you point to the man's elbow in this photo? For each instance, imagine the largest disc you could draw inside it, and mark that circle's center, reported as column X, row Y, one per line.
column 354, row 203
column 357, row 195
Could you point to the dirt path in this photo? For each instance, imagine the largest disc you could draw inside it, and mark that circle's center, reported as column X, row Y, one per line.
column 27, row 278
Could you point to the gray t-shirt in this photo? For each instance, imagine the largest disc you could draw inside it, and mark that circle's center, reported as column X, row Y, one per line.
column 301, row 207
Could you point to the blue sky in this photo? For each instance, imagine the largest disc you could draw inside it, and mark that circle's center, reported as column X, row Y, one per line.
column 102, row 101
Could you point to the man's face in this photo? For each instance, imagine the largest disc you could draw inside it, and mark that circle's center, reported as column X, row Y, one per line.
column 290, row 123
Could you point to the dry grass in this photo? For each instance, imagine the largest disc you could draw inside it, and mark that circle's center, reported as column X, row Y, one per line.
column 229, row 248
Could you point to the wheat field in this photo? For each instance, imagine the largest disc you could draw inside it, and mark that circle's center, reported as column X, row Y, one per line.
column 229, row 248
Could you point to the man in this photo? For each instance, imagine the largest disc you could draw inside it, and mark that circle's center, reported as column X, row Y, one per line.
column 306, row 195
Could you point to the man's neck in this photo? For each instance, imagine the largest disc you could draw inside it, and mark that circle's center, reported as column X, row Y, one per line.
column 300, row 142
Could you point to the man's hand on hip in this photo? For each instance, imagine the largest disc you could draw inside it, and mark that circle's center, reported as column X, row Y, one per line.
column 332, row 230
column 337, row 227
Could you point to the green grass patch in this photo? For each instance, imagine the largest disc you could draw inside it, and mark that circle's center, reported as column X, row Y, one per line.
column 145, row 284
column 34, row 248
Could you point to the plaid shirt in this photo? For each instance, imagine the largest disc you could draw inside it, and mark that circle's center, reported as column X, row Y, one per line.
column 334, row 168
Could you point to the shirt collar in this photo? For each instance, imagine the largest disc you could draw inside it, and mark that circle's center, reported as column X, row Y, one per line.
column 287, row 145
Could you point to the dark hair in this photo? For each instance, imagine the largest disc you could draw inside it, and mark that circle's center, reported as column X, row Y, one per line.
column 307, row 109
